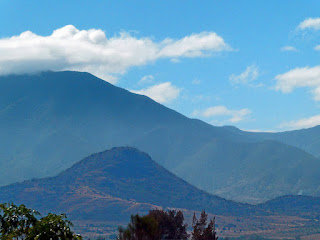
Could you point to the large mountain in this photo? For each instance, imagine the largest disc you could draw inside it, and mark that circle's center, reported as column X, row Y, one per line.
column 51, row 120
column 112, row 184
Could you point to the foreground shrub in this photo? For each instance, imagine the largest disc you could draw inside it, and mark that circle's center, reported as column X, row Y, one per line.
column 20, row 222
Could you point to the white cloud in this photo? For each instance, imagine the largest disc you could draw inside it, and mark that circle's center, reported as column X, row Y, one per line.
column 195, row 45
column 196, row 81
column 146, row 79
column 200, row 98
column 175, row 60
column 90, row 50
column 259, row 130
column 317, row 48
column 233, row 116
column 289, row 49
column 300, row 77
column 249, row 75
column 310, row 23
column 162, row 93
column 302, row 123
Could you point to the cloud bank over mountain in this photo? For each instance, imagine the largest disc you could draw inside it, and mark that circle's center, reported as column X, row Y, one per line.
column 69, row 48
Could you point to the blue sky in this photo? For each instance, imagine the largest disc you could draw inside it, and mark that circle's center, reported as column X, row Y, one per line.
column 250, row 64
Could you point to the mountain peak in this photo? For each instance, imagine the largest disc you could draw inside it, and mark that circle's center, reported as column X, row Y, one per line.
column 121, row 162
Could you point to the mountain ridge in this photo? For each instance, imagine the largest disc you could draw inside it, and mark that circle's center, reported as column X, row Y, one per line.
column 307, row 139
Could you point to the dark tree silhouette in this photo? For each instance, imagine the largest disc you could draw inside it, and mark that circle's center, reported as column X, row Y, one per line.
column 157, row 224
column 202, row 230
column 171, row 224
column 140, row 228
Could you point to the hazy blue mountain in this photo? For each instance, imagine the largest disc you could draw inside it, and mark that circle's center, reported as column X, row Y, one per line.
column 306, row 139
column 113, row 184
column 51, row 120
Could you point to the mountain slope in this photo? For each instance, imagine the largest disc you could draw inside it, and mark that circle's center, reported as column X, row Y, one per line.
column 50, row 120
column 237, row 169
column 113, row 184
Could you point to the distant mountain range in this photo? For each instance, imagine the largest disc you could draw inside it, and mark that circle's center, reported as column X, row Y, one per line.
column 303, row 206
column 113, row 184
column 305, row 139
column 51, row 120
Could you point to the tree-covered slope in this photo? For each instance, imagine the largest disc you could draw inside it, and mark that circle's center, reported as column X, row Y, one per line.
column 51, row 120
